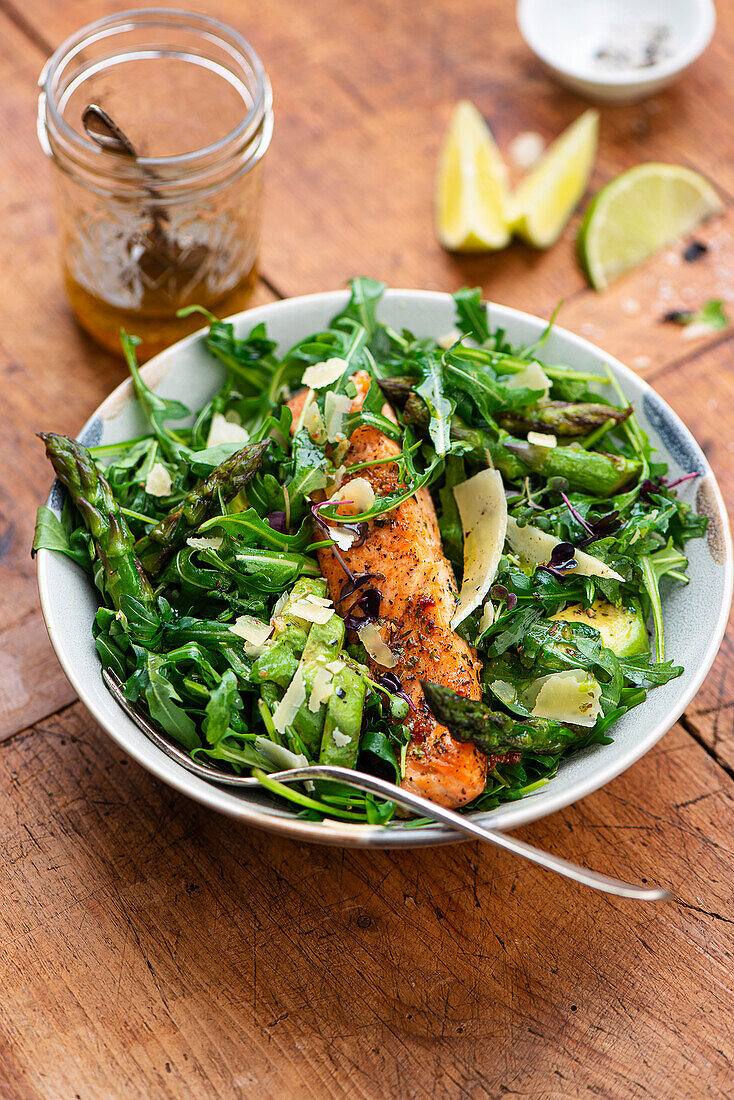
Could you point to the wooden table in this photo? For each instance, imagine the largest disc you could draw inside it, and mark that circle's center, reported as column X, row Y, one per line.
column 150, row 948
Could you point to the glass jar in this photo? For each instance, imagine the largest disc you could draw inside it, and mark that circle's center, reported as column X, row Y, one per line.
column 179, row 223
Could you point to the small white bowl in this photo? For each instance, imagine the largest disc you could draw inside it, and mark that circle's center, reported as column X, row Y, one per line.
column 567, row 34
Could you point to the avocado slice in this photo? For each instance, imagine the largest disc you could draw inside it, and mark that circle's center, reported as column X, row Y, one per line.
column 622, row 629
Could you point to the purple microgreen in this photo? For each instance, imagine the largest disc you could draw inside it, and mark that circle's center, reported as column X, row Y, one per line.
column 390, row 682
column 369, row 604
column 277, row 522
column 499, row 592
column 657, row 484
column 602, row 527
column 325, row 530
column 561, row 560
column 577, row 515
column 359, row 580
column 680, row 480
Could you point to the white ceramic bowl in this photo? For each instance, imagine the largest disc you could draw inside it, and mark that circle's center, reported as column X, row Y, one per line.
column 566, row 35
column 695, row 616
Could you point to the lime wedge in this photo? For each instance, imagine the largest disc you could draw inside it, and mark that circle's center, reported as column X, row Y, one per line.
column 549, row 194
column 471, row 186
column 638, row 213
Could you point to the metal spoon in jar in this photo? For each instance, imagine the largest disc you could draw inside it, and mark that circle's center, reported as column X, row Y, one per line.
column 104, row 132
column 413, row 802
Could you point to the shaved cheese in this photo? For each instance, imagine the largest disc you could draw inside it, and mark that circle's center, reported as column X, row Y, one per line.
column 222, row 430
column 483, row 510
column 540, row 439
column 336, row 407
column 340, row 739
column 321, row 690
column 532, row 378
column 158, row 482
column 536, row 547
column 288, row 707
column 487, row 616
column 254, row 634
column 380, row 653
column 312, row 421
column 449, row 339
column 571, row 696
column 204, row 544
column 335, row 666
column 339, row 473
column 343, row 539
column 358, row 493
column 280, row 755
column 312, row 609
column 319, row 375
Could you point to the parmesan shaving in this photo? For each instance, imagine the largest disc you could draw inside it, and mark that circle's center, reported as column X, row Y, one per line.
column 280, row 755
column 336, row 407
column 540, row 439
column 532, row 378
column 536, row 547
column 319, row 375
column 312, row 609
column 222, row 430
column 321, row 690
column 380, row 653
column 312, row 421
column 343, row 539
column 288, row 707
column 487, row 617
column 204, row 544
column 158, row 483
column 358, row 493
column 340, row 739
column 572, row 696
column 483, row 510
column 253, row 633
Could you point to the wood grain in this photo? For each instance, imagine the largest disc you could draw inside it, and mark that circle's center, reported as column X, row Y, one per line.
column 702, row 393
column 32, row 684
column 200, row 956
column 148, row 947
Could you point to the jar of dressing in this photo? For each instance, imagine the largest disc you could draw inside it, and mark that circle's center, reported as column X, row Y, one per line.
column 177, row 221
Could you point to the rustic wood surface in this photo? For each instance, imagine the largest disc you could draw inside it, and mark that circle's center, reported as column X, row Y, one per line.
column 150, row 948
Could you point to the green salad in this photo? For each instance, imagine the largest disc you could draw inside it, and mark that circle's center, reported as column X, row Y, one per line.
column 209, row 545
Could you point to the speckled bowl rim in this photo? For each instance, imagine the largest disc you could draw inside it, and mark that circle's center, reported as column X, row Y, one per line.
column 123, row 732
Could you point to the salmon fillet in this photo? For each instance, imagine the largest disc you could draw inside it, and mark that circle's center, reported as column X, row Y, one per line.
column 418, row 597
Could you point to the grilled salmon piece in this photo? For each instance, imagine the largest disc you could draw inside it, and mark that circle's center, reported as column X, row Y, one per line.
column 418, row 597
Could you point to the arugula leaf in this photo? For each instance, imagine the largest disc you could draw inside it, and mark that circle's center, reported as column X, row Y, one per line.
column 157, row 409
column 471, row 314
column 441, row 408
column 223, row 700
column 52, row 534
column 163, row 699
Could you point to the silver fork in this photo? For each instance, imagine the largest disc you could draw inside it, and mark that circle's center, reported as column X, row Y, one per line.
column 414, row 802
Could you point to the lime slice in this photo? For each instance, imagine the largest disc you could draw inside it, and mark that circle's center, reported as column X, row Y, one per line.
column 471, row 186
column 638, row 213
column 549, row 194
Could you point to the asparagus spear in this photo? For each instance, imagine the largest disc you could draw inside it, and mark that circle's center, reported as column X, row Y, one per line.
column 495, row 732
column 93, row 497
column 561, row 418
column 591, row 471
column 226, row 481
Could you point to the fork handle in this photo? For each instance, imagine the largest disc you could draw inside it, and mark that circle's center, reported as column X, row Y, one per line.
column 421, row 806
